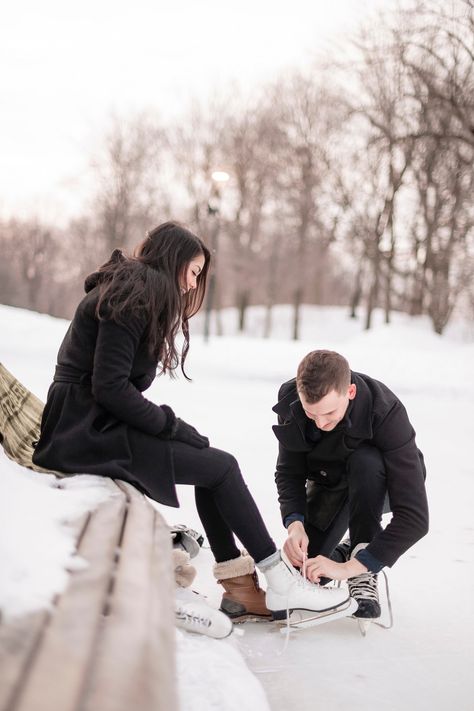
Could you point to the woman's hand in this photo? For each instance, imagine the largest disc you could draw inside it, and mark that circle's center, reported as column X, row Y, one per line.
column 322, row 567
column 187, row 433
column 178, row 429
column 296, row 545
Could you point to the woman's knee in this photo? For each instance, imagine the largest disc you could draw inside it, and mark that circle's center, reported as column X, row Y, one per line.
column 232, row 468
column 225, row 465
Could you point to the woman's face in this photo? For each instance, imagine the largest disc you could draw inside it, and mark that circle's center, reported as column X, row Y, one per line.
column 191, row 272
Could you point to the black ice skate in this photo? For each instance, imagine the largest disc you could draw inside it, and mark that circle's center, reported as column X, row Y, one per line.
column 363, row 588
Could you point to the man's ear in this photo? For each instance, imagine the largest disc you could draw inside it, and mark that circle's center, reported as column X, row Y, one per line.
column 352, row 391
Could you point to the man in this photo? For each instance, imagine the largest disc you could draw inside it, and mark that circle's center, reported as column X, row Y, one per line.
column 347, row 454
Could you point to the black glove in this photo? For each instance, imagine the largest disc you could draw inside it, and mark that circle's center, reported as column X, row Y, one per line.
column 183, row 432
column 179, row 430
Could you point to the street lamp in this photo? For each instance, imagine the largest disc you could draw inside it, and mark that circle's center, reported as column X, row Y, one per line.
column 219, row 178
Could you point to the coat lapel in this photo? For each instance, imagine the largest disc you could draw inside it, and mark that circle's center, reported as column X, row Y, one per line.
column 291, row 431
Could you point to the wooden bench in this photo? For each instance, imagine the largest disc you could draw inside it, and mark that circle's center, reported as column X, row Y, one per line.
column 107, row 644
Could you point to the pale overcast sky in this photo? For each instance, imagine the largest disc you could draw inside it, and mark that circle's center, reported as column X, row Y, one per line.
column 65, row 66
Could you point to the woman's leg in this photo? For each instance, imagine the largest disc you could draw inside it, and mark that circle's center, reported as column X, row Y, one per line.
column 220, row 537
column 224, row 503
column 225, row 506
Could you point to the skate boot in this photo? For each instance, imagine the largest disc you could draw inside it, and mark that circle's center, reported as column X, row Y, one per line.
column 243, row 598
column 363, row 588
column 288, row 591
column 193, row 614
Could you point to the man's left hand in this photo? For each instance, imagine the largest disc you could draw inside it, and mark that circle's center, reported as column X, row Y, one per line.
column 322, row 567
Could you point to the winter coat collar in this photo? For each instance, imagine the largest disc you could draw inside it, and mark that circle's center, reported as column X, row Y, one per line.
column 358, row 420
column 96, row 277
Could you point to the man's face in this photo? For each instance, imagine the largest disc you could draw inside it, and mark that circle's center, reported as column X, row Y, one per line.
column 330, row 410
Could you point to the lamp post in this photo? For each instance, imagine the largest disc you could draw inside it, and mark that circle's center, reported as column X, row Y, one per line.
column 218, row 177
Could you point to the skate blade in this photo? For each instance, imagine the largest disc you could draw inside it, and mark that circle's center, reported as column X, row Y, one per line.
column 363, row 625
column 251, row 618
column 320, row 619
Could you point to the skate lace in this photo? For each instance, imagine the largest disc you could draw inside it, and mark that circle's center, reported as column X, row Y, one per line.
column 301, row 581
column 364, row 586
column 192, row 619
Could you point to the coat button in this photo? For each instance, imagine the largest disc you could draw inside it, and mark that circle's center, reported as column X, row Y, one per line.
column 323, row 473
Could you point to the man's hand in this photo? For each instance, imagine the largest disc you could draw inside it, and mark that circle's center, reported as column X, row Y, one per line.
column 322, row 567
column 296, row 545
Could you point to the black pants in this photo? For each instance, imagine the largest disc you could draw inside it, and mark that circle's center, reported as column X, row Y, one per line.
column 224, row 503
column 362, row 511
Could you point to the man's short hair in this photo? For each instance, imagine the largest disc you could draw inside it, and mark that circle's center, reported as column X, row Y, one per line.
column 320, row 372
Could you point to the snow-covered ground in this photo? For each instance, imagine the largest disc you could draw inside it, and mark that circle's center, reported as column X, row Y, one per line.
column 425, row 661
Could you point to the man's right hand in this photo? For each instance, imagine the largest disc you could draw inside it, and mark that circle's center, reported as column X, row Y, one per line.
column 296, row 545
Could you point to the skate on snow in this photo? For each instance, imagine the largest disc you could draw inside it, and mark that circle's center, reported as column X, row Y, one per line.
column 363, row 588
column 290, row 595
column 193, row 614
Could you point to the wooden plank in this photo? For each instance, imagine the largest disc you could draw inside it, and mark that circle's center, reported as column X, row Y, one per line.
column 134, row 665
column 57, row 677
column 20, row 638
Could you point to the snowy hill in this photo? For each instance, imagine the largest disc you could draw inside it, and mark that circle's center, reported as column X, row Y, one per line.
column 425, row 661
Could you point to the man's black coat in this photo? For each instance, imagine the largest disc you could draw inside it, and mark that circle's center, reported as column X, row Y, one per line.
column 96, row 420
column 375, row 417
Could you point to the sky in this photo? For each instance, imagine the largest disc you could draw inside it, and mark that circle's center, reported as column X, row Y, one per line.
column 66, row 67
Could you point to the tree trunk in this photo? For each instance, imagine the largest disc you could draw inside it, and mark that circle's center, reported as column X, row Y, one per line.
column 357, row 291
column 298, row 295
column 243, row 298
column 268, row 323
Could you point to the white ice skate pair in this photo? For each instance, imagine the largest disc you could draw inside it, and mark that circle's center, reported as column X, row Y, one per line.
column 290, row 595
column 193, row 614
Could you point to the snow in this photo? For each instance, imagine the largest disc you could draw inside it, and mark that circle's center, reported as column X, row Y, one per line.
column 37, row 543
column 424, row 662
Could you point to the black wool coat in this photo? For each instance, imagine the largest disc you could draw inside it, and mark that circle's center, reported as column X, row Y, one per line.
column 375, row 417
column 96, row 420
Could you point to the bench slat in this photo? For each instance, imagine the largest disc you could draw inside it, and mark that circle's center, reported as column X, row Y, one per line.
column 135, row 663
column 18, row 641
column 57, row 678
column 20, row 637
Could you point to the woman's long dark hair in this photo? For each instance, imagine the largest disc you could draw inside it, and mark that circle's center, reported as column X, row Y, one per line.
column 148, row 284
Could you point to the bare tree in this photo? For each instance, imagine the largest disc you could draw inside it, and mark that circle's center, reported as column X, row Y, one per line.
column 129, row 197
column 438, row 51
column 196, row 148
column 309, row 114
column 250, row 141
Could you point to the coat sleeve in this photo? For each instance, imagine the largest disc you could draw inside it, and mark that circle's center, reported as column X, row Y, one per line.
column 290, row 478
column 290, row 475
column 395, row 438
column 115, row 350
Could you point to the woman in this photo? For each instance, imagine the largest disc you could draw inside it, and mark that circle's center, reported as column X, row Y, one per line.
column 97, row 421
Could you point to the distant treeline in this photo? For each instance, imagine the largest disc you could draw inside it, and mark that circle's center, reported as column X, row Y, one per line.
column 349, row 183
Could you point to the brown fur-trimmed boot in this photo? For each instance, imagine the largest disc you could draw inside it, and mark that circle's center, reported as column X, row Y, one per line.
column 243, row 598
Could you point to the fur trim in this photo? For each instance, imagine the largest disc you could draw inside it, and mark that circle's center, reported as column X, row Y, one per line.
column 244, row 565
column 184, row 572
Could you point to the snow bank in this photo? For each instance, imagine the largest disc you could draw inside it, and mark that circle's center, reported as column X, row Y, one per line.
column 214, row 676
column 37, row 542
